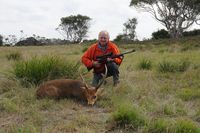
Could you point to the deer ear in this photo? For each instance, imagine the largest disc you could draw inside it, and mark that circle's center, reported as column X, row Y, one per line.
column 99, row 91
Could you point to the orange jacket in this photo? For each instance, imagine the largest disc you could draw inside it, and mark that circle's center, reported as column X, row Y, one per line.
column 90, row 55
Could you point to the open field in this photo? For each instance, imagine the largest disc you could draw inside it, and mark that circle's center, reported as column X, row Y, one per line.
column 160, row 82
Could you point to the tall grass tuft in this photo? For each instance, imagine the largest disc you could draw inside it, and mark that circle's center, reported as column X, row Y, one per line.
column 184, row 125
column 160, row 126
column 8, row 105
column 127, row 116
column 187, row 94
column 172, row 66
column 37, row 69
column 14, row 56
column 145, row 64
column 180, row 125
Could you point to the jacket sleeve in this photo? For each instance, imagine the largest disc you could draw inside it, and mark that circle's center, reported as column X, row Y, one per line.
column 87, row 58
column 116, row 51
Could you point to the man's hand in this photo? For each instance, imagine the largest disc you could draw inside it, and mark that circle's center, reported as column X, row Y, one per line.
column 96, row 64
column 110, row 59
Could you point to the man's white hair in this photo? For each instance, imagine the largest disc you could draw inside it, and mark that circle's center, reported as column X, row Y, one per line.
column 105, row 33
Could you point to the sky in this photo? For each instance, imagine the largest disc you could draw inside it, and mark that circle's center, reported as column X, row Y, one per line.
column 41, row 17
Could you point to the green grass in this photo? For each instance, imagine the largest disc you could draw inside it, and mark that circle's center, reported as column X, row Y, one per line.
column 44, row 68
column 189, row 94
column 16, row 55
column 128, row 116
column 173, row 66
column 152, row 101
column 145, row 64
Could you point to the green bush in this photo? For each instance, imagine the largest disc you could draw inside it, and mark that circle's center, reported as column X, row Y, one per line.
column 166, row 66
column 172, row 66
column 145, row 64
column 14, row 56
column 37, row 70
column 128, row 116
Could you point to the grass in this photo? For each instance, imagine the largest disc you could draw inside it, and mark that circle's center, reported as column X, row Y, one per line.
column 128, row 116
column 15, row 55
column 152, row 101
column 44, row 68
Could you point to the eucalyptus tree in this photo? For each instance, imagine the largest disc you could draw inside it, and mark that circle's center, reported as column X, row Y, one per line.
column 74, row 28
column 175, row 15
column 129, row 28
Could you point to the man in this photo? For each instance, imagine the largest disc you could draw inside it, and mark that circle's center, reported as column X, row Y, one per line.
column 103, row 46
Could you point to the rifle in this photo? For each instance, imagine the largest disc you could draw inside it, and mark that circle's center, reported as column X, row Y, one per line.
column 103, row 58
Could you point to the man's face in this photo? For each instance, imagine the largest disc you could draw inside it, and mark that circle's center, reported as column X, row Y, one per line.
column 103, row 39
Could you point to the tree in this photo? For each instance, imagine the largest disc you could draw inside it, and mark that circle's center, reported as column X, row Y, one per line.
column 1, row 40
column 74, row 28
column 129, row 30
column 175, row 15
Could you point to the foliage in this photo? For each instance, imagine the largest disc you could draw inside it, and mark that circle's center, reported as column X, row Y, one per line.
column 128, row 116
column 1, row 40
column 160, row 34
column 14, row 56
column 145, row 64
column 175, row 15
column 74, row 28
column 129, row 30
column 160, row 126
column 171, row 66
column 37, row 70
column 194, row 32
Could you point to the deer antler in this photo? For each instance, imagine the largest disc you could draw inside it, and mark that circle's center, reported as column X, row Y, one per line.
column 104, row 77
column 83, row 79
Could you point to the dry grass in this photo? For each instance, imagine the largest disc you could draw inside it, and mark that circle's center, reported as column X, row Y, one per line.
column 157, row 95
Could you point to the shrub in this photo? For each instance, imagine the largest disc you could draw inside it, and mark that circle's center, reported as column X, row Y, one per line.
column 37, row 70
column 14, row 56
column 166, row 66
column 171, row 66
column 128, row 116
column 145, row 64
column 160, row 34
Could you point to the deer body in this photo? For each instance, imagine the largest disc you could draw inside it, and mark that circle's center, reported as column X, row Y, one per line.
column 61, row 88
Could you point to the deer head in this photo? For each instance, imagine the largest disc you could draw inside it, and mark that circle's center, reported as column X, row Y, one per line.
column 92, row 92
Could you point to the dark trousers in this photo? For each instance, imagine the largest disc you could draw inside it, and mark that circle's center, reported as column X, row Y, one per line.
column 113, row 70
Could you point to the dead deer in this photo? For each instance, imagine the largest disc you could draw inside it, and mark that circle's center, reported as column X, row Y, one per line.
column 61, row 88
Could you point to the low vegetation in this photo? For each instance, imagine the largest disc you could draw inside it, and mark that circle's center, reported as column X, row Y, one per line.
column 158, row 91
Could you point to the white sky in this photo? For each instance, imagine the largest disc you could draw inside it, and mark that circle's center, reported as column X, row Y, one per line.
column 41, row 17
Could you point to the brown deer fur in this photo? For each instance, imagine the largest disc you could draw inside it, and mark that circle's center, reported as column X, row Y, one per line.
column 61, row 88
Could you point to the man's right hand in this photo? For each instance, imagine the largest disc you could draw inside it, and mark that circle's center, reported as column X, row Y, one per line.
column 96, row 64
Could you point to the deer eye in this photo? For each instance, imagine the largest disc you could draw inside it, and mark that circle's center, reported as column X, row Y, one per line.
column 94, row 97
